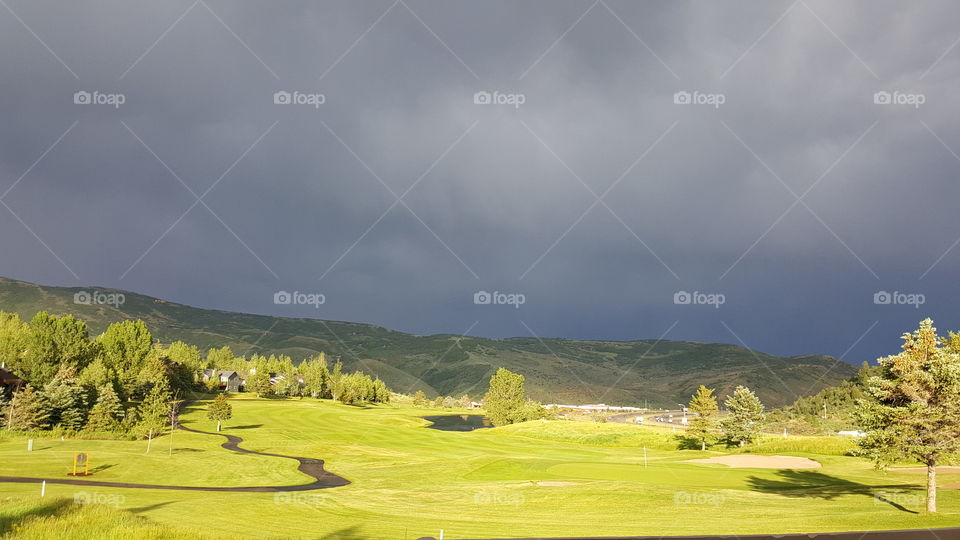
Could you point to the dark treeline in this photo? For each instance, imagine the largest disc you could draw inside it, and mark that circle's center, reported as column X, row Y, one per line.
column 125, row 383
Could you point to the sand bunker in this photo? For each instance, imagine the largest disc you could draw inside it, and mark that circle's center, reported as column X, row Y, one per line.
column 923, row 470
column 748, row 461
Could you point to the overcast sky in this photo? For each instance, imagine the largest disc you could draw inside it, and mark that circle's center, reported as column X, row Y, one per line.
column 787, row 191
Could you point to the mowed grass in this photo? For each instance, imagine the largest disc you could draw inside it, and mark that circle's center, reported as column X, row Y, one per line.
column 549, row 478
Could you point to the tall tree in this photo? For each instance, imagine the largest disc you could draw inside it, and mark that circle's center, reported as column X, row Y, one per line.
column 107, row 413
column 152, row 414
column 28, row 410
column 13, row 339
column 505, row 401
column 915, row 410
column 51, row 342
column 703, row 425
column 745, row 420
column 66, row 400
column 220, row 410
column 125, row 346
column 419, row 398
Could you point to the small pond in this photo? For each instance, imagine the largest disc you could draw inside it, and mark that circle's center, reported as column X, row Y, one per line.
column 458, row 422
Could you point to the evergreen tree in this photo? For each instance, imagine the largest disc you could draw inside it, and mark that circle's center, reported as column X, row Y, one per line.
column 914, row 412
column 66, row 400
column 745, row 420
column 703, row 424
column 28, row 410
column 107, row 413
column 220, row 410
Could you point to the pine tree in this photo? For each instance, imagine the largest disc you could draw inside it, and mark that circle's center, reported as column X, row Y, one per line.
column 28, row 410
column 745, row 420
column 703, row 424
column 107, row 413
column 914, row 412
column 220, row 410
column 66, row 400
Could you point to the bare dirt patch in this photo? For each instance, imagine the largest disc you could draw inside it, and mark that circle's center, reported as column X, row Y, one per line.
column 748, row 461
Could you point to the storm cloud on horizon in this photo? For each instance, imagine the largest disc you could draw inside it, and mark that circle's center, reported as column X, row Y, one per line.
column 814, row 168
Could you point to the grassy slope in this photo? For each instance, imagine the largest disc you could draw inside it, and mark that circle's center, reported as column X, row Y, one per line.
column 559, row 370
column 409, row 481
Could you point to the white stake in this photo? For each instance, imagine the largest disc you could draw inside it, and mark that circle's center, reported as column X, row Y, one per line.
column 441, row 534
column 30, row 445
column 43, row 488
column 644, row 457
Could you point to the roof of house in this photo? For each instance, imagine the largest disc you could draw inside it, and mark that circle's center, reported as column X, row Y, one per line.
column 8, row 376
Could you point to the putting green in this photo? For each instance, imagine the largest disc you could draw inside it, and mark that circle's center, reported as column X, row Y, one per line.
column 548, row 478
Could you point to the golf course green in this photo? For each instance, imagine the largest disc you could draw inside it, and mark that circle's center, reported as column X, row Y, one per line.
column 540, row 478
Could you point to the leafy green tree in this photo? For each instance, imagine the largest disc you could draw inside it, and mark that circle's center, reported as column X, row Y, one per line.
column 28, row 410
column 381, row 394
column 153, row 411
column 51, row 342
column 125, row 346
column 96, row 375
column 336, row 380
column 465, row 401
column 107, row 413
column 261, row 384
column 220, row 410
column 704, row 423
column 14, row 335
column 316, row 376
column 746, row 417
column 221, row 358
column 419, row 399
column 506, row 403
column 66, row 400
column 914, row 412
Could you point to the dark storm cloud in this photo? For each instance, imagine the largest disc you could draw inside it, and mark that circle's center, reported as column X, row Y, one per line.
column 598, row 198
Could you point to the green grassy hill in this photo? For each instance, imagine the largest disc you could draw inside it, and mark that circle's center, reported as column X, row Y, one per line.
column 557, row 370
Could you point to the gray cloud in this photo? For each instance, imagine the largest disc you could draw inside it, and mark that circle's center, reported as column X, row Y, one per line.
column 508, row 202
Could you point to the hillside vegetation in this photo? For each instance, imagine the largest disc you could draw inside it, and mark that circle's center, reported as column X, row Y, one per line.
column 660, row 373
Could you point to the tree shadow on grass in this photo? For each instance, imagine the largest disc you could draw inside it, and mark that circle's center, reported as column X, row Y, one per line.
column 348, row 533
column 812, row 484
column 51, row 508
column 150, row 507
column 248, row 426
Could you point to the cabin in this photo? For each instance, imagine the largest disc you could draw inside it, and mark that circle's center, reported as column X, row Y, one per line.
column 9, row 381
column 230, row 381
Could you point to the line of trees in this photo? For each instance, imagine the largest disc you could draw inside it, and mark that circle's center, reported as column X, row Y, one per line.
column 124, row 383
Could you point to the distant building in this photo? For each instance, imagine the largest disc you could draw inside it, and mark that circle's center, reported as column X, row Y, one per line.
column 229, row 381
column 594, row 407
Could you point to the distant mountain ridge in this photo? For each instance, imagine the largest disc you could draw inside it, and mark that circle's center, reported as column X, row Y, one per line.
column 659, row 373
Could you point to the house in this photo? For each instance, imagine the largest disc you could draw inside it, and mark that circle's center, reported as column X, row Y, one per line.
column 230, row 381
column 9, row 380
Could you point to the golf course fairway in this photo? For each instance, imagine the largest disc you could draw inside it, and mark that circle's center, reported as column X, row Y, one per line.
column 541, row 478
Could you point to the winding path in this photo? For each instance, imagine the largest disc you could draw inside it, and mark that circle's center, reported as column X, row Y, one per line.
column 308, row 466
